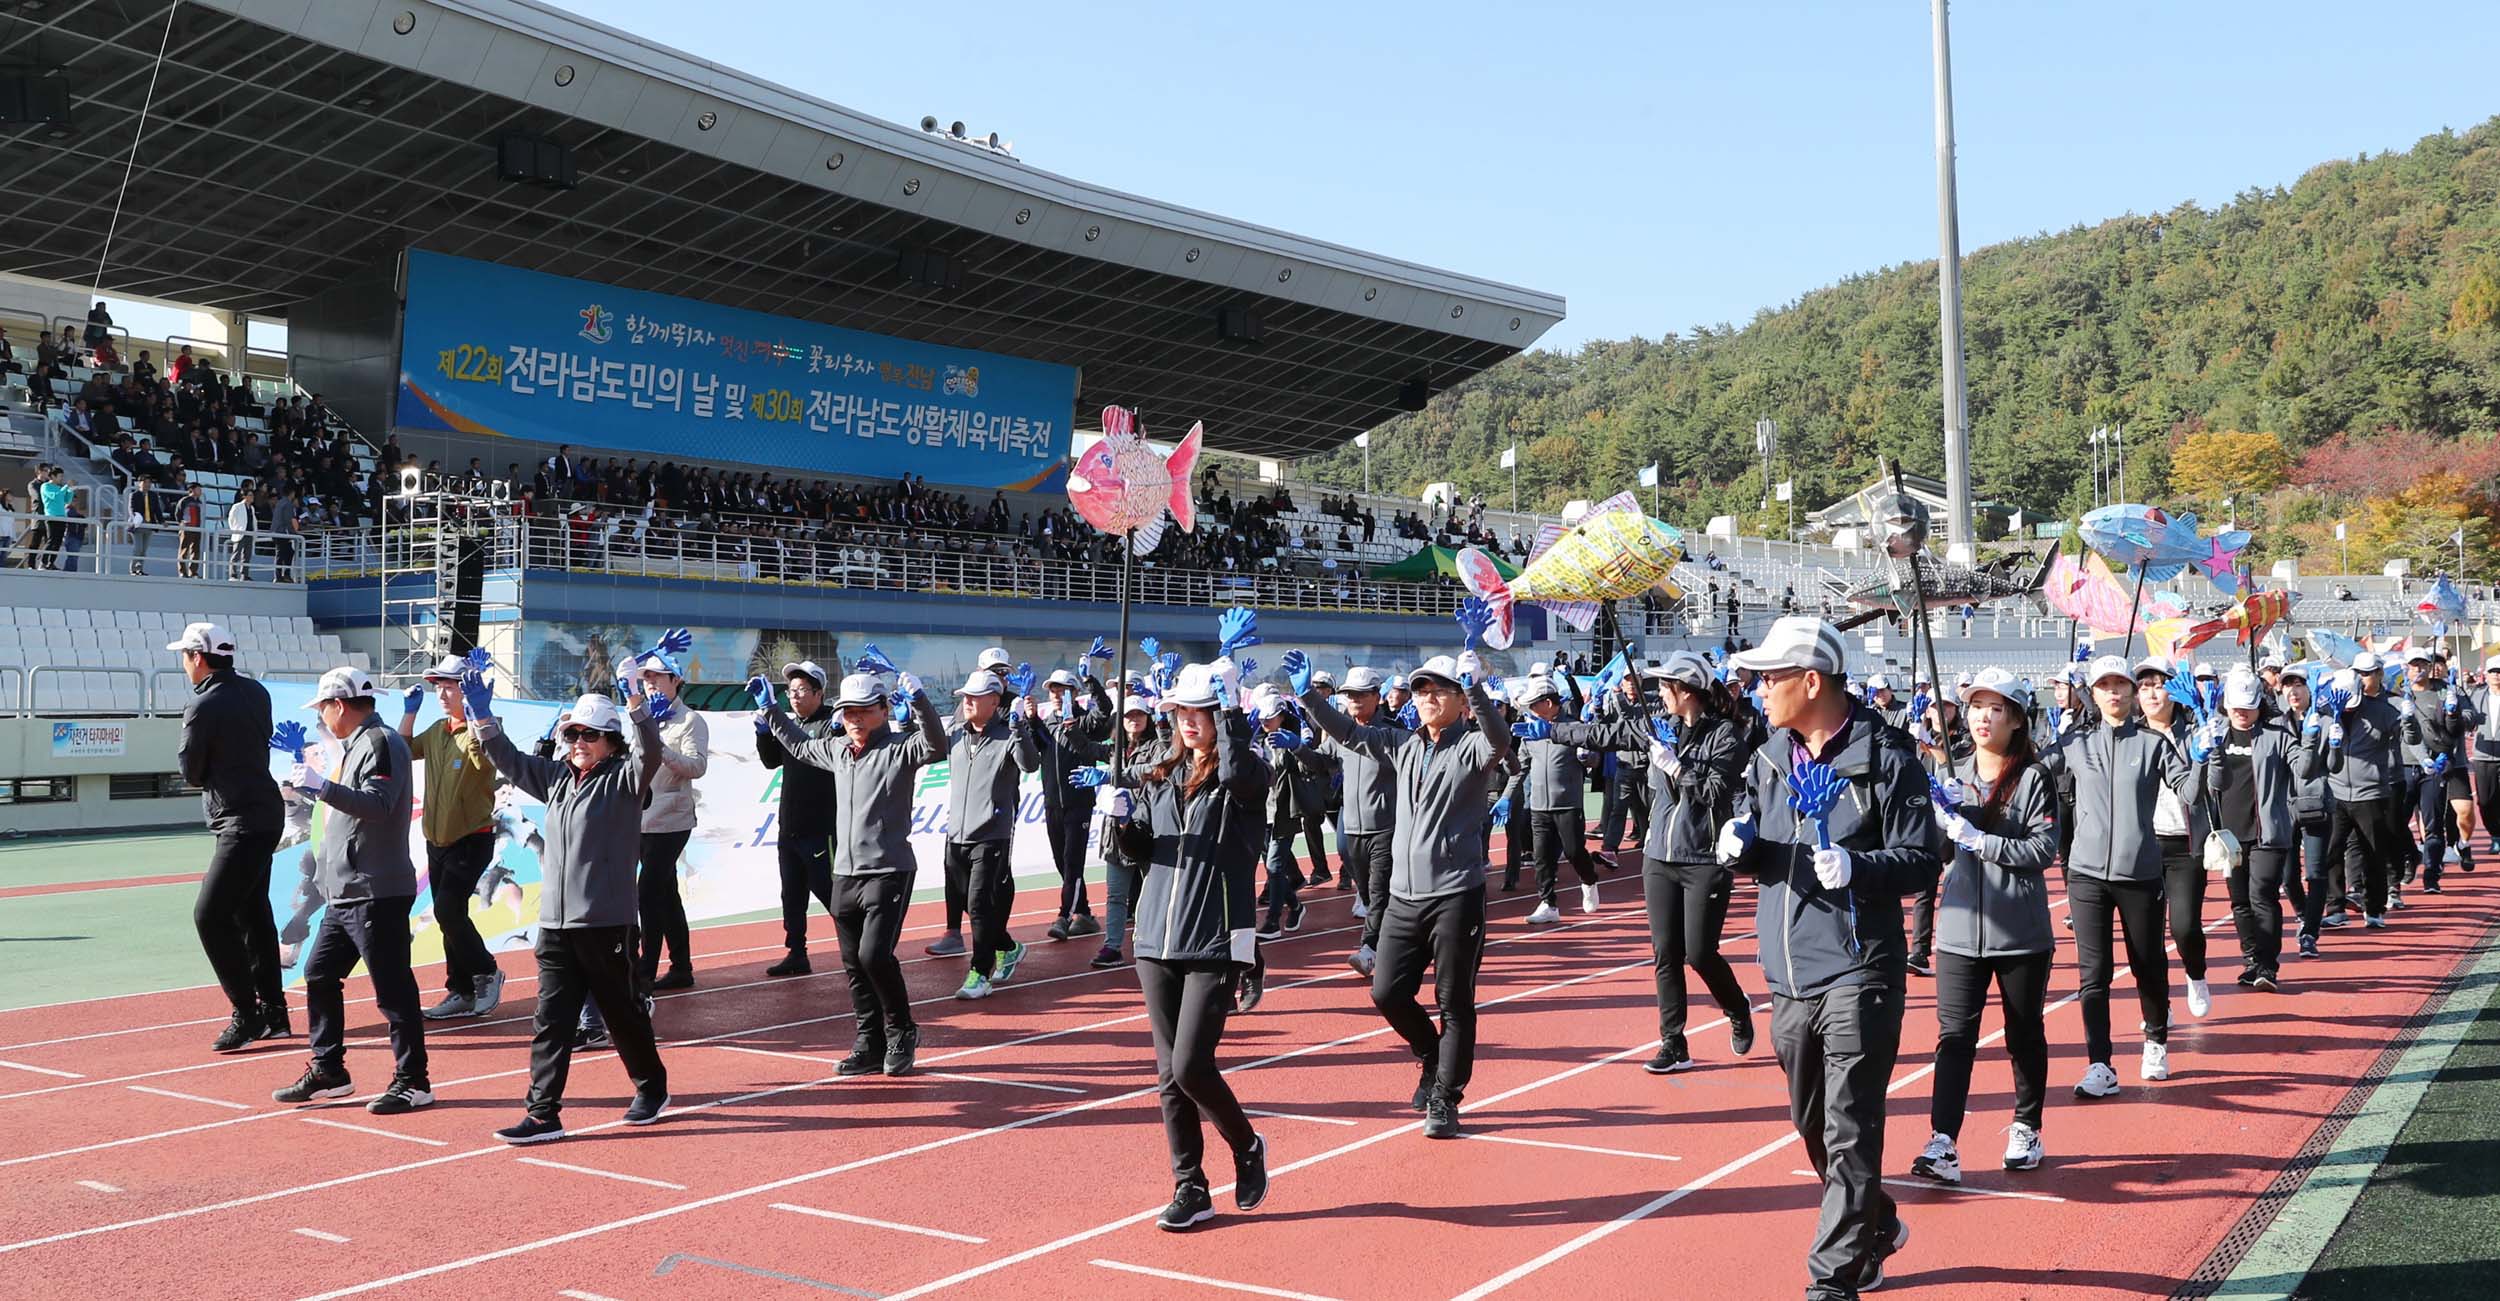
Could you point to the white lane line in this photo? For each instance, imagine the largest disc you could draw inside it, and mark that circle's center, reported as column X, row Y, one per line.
column 1949, row 1188
column 545, row 1164
column 43, row 1070
column 876, row 1224
column 917, row 1149
column 578, row 1295
column 191, row 1097
column 1013, row 1084
column 1571, row 1147
column 102, row 1188
column 377, row 1133
column 1201, row 1280
column 1291, row 1115
column 319, row 1236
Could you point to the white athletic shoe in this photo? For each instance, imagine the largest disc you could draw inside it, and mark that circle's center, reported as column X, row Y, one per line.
column 975, row 986
column 2022, row 1147
column 1545, row 914
column 2098, row 1082
column 2156, row 1062
column 1941, row 1161
column 1588, row 897
column 1361, row 912
column 1361, row 959
column 2200, row 998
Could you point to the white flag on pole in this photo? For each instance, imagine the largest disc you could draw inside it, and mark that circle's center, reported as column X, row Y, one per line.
column 1363, row 439
column 1786, row 490
column 2458, row 537
column 1510, row 456
column 1649, row 475
column 2339, row 531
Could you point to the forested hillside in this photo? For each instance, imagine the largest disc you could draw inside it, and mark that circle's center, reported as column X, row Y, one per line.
column 2268, row 347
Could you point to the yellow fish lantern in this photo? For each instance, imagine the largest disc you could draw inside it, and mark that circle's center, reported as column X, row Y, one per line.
column 1614, row 553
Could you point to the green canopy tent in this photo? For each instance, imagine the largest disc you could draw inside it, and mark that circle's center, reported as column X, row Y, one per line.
column 1430, row 562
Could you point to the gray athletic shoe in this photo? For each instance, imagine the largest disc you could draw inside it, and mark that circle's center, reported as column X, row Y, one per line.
column 489, row 994
column 949, row 945
column 451, row 1006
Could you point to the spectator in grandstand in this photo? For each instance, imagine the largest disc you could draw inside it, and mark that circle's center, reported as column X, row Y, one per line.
column 57, row 493
column 225, row 752
column 241, row 527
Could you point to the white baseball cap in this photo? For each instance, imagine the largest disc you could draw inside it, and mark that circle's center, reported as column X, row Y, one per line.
column 1366, row 678
column 450, row 668
column 2271, row 662
column 2204, row 670
column 343, row 683
column 2154, row 664
column 2492, row 665
column 995, row 657
column 1061, row 678
column 2106, row 667
column 1440, row 668
column 2365, row 662
column 1532, row 690
column 1133, row 703
column 594, row 711
column 1193, row 689
column 809, row 669
column 2418, row 655
column 981, row 682
column 1877, row 682
column 2241, row 690
column 860, row 689
column 1797, row 642
column 1684, row 668
column 1998, row 682
column 206, row 638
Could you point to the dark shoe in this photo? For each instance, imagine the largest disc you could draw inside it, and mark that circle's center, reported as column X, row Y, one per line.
column 867, row 1057
column 1293, row 917
column 242, row 1030
column 1059, row 929
column 794, row 965
column 903, row 1052
column 532, row 1129
column 1108, row 957
column 1251, row 987
column 2264, row 982
column 1319, row 876
column 1423, row 1087
column 2308, row 946
column 1346, row 881
column 1271, row 926
column 273, row 1023
column 1190, row 1208
column 2335, row 919
column 1920, row 965
column 2432, row 887
column 1250, row 1174
column 2247, row 976
column 451, row 1006
column 1441, row 1115
column 590, row 1036
column 402, row 1097
column 1740, row 1035
column 315, row 1084
column 1875, row 1272
column 677, row 978
column 949, row 945
column 1669, row 1060
column 646, row 1108
column 1510, row 882
column 1083, row 924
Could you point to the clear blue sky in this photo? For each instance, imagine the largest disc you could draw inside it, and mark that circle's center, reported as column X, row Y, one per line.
column 1660, row 164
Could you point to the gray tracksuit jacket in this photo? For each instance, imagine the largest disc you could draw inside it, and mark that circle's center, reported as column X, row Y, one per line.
column 592, row 832
column 872, row 788
column 983, row 770
column 1994, row 901
column 1371, row 781
column 364, row 843
column 2116, row 771
column 2369, row 763
column 1444, row 793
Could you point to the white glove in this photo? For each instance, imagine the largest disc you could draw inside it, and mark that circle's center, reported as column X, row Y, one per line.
column 1832, row 868
column 1116, row 803
column 1959, row 830
column 307, row 779
column 2404, row 706
column 1663, row 759
column 1230, row 674
column 1470, row 665
column 1954, row 792
column 2335, row 732
column 1734, row 837
column 907, row 684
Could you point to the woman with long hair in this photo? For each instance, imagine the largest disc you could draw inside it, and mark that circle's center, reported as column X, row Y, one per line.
column 1198, row 819
column 1123, row 873
column 1992, row 922
column 1696, row 750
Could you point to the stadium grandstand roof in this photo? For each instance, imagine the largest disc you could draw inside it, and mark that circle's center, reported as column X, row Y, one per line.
column 293, row 142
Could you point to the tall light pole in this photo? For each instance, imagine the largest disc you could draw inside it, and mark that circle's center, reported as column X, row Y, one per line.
column 2098, row 486
column 2119, row 435
column 1949, row 293
column 2229, row 504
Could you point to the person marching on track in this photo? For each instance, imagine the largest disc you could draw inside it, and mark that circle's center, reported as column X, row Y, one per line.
column 1557, row 785
column 803, row 827
column 1832, row 821
column 1063, row 729
column 2114, row 864
column 2254, row 775
column 1197, row 817
column 2181, row 823
column 1992, row 924
column 2445, row 717
column 459, row 825
column 988, row 753
column 1446, row 769
column 1369, row 813
column 1943, row 741
column 1627, row 782
column 1297, row 787
column 668, row 822
column 1692, row 763
column 1894, row 711
column 368, row 885
column 225, row 752
column 2311, row 819
column 2486, row 757
column 2365, row 738
column 586, row 902
column 873, row 769
column 994, row 659
column 1124, row 873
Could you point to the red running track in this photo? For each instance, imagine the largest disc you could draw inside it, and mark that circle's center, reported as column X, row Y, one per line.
column 1026, row 1157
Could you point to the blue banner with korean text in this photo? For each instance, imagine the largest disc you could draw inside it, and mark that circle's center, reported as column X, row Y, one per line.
column 487, row 349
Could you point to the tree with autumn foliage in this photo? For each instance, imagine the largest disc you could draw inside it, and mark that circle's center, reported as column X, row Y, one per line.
column 2420, row 525
column 2210, row 465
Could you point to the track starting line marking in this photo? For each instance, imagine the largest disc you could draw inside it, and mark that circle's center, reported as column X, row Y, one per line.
column 877, row 1224
column 579, row 1295
column 318, row 1236
column 1293, row 1115
column 1571, row 1147
column 377, row 1133
column 43, row 1070
column 1013, row 1084
column 1177, row 1277
column 189, row 1097
column 102, row 1188
column 1948, row 1188
column 604, row 1174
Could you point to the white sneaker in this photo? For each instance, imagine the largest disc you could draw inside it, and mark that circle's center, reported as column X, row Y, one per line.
column 2200, row 998
column 975, row 986
column 1941, row 1161
column 2099, row 1081
column 2022, row 1147
column 1361, row 912
column 1545, row 913
column 1361, row 959
column 1588, row 897
column 2156, row 1062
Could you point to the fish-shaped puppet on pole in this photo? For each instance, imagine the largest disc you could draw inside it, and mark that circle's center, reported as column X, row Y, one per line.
column 2088, row 593
column 2443, row 607
column 1123, row 486
column 1615, row 552
column 2251, row 616
column 1913, row 578
column 2159, row 546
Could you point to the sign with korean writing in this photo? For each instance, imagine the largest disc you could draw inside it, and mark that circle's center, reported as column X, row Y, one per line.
column 90, row 740
column 487, row 349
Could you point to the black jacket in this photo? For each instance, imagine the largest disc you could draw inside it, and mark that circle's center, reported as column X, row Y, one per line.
column 1201, row 851
column 806, row 790
column 225, row 752
column 1687, row 809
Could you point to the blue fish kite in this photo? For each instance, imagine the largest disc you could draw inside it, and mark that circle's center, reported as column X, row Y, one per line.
column 2443, row 606
column 2161, row 544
